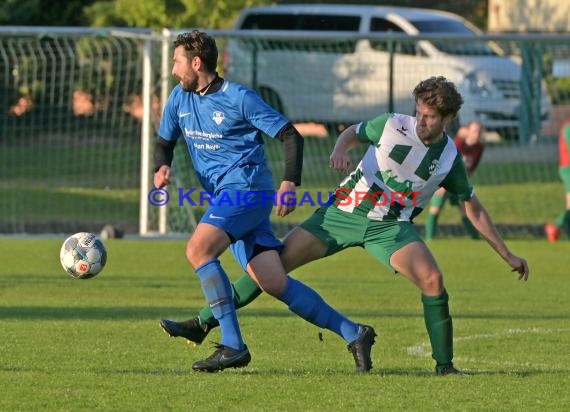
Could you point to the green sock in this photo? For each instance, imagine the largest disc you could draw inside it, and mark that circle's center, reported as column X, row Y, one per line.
column 430, row 226
column 474, row 233
column 563, row 222
column 559, row 222
column 245, row 290
column 439, row 327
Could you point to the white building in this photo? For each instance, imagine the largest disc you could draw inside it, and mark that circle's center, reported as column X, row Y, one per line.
column 529, row 16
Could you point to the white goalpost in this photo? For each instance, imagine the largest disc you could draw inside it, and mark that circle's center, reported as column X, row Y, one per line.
column 79, row 110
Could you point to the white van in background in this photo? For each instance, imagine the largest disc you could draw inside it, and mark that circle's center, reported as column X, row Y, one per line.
column 342, row 81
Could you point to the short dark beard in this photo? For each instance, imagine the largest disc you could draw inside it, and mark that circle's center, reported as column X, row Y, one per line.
column 191, row 87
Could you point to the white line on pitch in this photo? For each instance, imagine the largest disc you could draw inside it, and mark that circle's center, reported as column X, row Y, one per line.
column 424, row 348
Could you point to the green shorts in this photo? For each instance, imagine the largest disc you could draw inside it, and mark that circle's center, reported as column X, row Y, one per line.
column 564, row 173
column 341, row 230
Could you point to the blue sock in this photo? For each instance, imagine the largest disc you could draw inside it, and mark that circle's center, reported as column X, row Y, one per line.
column 218, row 292
column 309, row 305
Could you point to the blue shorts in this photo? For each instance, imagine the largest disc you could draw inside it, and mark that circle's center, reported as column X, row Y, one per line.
column 246, row 221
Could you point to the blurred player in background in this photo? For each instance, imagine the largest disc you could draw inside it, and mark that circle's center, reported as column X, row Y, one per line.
column 405, row 154
column 470, row 143
column 552, row 229
column 221, row 123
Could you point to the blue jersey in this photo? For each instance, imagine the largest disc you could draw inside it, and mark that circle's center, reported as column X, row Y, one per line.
column 223, row 135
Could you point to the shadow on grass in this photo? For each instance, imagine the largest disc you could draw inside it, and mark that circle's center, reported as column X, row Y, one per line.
column 375, row 373
column 92, row 313
column 178, row 312
column 341, row 371
column 468, row 373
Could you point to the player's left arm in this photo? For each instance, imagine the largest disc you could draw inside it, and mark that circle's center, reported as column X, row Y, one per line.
column 293, row 154
column 457, row 182
column 482, row 221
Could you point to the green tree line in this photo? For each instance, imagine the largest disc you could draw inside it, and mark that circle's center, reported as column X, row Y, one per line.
column 156, row 14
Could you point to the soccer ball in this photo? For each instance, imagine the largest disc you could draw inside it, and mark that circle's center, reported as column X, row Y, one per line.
column 83, row 255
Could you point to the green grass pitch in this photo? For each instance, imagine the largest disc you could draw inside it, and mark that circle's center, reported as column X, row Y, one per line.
column 90, row 345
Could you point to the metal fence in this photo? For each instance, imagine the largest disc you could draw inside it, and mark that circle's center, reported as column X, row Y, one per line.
column 79, row 109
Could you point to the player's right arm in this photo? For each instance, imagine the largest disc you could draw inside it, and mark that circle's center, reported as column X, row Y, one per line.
column 162, row 177
column 339, row 158
column 163, row 154
column 168, row 133
column 368, row 132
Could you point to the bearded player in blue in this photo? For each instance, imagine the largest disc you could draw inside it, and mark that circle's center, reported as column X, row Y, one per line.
column 222, row 123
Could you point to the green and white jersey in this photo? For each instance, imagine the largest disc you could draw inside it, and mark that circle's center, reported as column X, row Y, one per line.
column 398, row 174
